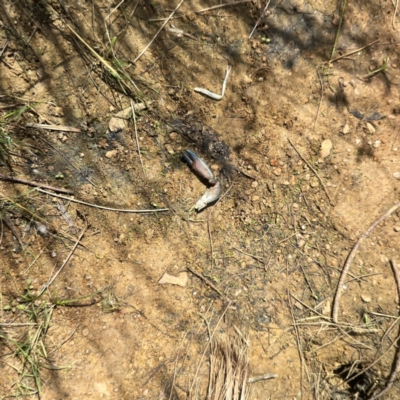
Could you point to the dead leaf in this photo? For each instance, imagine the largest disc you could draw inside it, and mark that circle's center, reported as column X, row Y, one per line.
column 180, row 280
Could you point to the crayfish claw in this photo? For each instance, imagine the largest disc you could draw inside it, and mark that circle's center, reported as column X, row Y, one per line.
column 203, row 171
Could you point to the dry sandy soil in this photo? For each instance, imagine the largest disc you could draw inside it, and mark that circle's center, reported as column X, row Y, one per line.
column 306, row 145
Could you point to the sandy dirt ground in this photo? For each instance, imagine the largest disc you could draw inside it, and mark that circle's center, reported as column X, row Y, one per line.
column 305, row 143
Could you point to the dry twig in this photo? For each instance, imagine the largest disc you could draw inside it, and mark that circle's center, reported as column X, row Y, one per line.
column 396, row 362
column 101, row 207
column 206, row 281
column 259, row 19
column 161, row 28
column 336, row 302
column 34, row 184
column 354, row 51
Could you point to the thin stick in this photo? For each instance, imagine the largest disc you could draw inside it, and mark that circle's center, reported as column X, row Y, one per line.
column 259, row 19
column 261, row 378
column 394, row 15
column 136, row 135
column 313, row 170
column 113, row 11
column 354, row 51
column 206, row 9
column 336, row 302
column 4, row 48
column 250, row 255
column 46, row 286
column 222, row 5
column 161, row 28
column 320, row 100
column 206, row 281
column 60, row 128
column 101, row 207
column 34, row 184
column 396, row 362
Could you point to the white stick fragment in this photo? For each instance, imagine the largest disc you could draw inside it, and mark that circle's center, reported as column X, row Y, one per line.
column 211, row 94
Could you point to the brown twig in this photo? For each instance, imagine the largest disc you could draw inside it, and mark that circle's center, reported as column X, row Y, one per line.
column 34, row 184
column 259, row 19
column 320, row 100
column 221, row 5
column 354, row 51
column 101, row 207
column 315, row 172
column 336, row 302
column 61, row 128
column 250, row 255
column 205, row 280
column 161, row 28
column 396, row 362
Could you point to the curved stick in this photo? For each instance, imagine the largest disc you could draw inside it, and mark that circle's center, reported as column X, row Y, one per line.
column 396, row 361
column 335, row 307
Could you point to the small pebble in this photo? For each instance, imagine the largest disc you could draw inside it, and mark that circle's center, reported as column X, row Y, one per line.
column 85, row 332
column 173, row 136
column 397, row 228
column 370, row 128
column 111, row 153
column 365, row 298
column 169, row 149
column 376, row 144
column 277, row 171
column 215, row 167
column 254, row 184
column 397, row 175
column 345, row 129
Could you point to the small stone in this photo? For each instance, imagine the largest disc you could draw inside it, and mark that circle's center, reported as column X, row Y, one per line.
column 277, row 171
column 295, row 206
column 173, row 136
column 254, row 184
column 366, row 298
column 370, row 128
column 81, row 155
column 314, row 182
column 169, row 149
column 326, row 147
column 376, row 144
column 345, row 129
column 397, row 175
column 85, row 332
column 111, row 153
column 397, row 228
column 255, row 198
column 215, row 167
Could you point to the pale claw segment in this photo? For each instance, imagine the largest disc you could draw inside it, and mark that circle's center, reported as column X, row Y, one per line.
column 211, row 194
column 203, row 171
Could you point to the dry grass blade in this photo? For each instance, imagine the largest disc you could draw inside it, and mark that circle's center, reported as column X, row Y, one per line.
column 158, row 32
column 229, row 365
